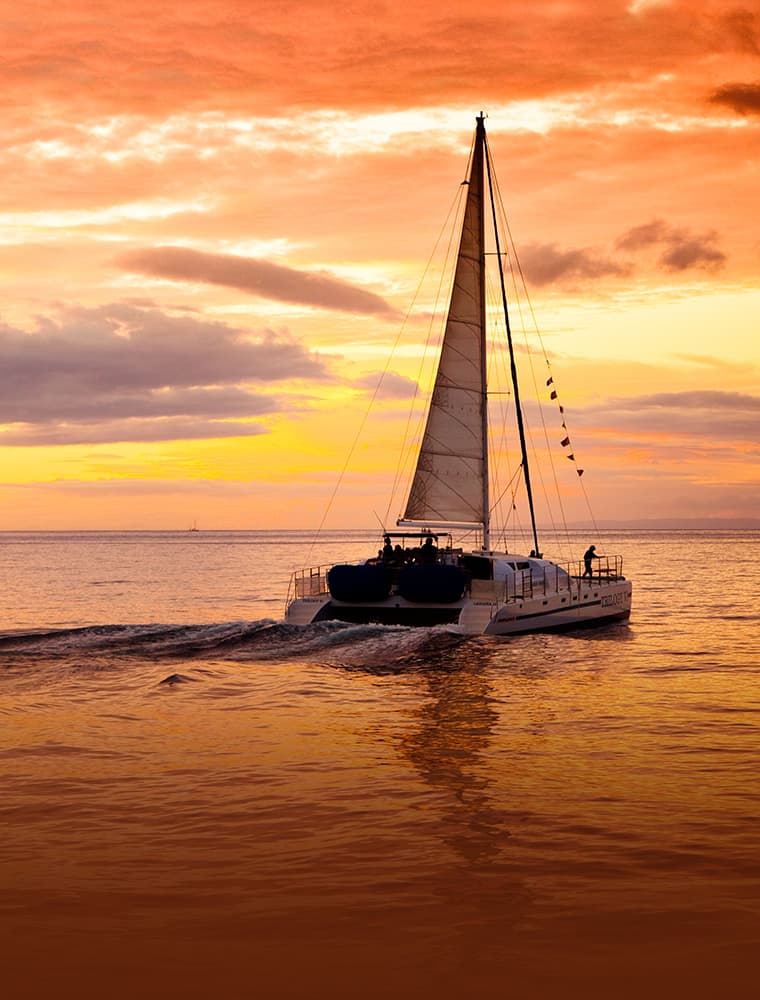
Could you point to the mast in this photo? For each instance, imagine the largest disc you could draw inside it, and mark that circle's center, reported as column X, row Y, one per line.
column 512, row 365
column 478, row 163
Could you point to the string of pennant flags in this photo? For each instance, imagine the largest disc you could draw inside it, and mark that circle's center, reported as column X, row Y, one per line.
column 565, row 442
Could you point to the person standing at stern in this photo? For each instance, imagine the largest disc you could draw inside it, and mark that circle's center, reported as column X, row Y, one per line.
column 588, row 556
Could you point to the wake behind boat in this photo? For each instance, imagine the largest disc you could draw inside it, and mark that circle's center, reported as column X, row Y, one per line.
column 421, row 576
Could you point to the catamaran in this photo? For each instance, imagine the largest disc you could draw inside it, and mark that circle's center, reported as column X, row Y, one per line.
column 420, row 576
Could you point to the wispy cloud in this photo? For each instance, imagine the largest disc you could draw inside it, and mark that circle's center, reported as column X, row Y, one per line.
column 125, row 373
column 546, row 264
column 257, row 277
column 706, row 414
column 684, row 249
column 144, row 431
column 693, row 251
column 645, row 235
column 387, row 385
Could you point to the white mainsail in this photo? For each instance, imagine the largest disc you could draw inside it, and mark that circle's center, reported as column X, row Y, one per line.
column 450, row 481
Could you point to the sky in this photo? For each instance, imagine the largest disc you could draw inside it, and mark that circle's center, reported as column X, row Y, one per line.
column 215, row 216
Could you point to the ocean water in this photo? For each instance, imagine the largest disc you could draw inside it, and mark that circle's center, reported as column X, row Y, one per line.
column 198, row 800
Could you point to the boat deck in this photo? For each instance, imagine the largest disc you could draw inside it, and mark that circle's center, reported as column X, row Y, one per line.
column 523, row 585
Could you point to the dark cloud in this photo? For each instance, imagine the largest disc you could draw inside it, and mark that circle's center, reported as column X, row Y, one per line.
column 258, row 277
column 684, row 248
column 655, row 231
column 743, row 98
column 122, row 373
column 64, row 405
column 696, row 399
column 545, row 264
column 694, row 251
column 706, row 414
column 388, row 385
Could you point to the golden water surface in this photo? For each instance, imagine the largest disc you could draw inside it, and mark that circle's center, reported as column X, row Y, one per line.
column 214, row 806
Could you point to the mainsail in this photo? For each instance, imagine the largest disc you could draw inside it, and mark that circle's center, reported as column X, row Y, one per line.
column 450, row 483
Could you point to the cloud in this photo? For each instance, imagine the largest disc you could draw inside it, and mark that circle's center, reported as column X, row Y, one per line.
column 144, row 431
column 125, row 373
column 699, row 399
column 64, row 405
column 741, row 97
column 694, row 251
column 656, row 231
column 387, row 385
column 126, row 487
column 545, row 264
column 707, row 414
column 258, row 277
column 259, row 57
column 684, row 248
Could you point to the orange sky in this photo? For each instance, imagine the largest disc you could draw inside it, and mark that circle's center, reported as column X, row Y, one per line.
column 214, row 217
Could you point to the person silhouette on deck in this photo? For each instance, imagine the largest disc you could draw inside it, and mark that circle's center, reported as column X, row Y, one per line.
column 588, row 556
column 428, row 552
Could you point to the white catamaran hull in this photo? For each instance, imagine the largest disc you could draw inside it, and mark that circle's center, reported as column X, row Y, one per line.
column 587, row 606
column 542, row 598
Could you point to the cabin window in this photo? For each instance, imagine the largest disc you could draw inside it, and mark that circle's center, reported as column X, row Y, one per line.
column 477, row 567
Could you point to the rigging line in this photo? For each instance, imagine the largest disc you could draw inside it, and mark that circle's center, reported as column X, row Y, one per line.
column 515, row 475
column 504, row 456
column 549, row 449
column 498, row 373
column 499, row 448
column 448, row 272
column 547, row 444
column 374, row 397
column 520, row 531
column 406, row 454
column 499, row 361
column 518, row 408
column 588, row 507
column 548, row 364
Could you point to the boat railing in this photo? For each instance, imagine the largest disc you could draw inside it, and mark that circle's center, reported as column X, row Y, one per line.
column 603, row 569
column 554, row 579
column 515, row 588
column 525, row 583
column 311, row 582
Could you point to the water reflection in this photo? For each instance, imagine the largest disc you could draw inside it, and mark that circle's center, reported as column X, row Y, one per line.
column 452, row 746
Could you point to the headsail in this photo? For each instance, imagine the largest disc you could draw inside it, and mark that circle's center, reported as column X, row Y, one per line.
column 451, row 479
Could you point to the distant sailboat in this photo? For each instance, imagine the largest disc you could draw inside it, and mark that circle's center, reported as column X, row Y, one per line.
column 194, row 526
column 421, row 578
